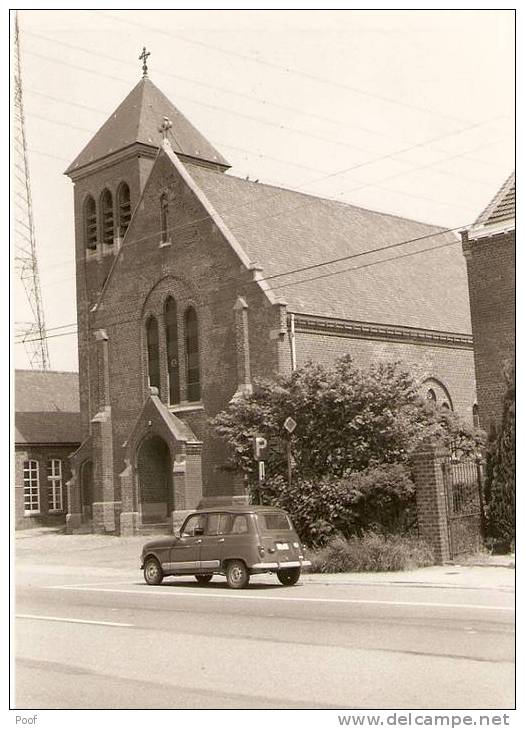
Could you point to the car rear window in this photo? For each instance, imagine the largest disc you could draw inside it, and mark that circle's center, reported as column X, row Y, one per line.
column 274, row 522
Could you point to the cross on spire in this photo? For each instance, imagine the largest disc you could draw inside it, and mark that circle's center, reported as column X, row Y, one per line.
column 165, row 127
column 144, row 57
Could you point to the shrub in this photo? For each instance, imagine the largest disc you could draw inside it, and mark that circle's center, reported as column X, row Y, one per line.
column 371, row 553
column 379, row 498
column 348, row 418
column 500, row 487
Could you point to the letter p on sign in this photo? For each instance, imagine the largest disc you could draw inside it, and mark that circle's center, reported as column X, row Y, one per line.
column 260, row 448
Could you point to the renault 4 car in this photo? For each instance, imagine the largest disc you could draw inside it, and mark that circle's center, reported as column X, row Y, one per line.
column 236, row 541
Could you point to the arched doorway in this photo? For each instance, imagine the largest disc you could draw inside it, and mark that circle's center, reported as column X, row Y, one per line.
column 86, row 490
column 154, row 471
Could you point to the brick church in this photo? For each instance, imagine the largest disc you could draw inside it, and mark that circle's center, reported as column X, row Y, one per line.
column 191, row 282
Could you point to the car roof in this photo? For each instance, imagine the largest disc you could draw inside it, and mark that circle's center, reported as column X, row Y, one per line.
column 239, row 509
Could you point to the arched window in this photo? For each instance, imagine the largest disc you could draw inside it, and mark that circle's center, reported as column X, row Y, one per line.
column 172, row 354
column 445, row 405
column 90, row 224
column 164, row 238
column 124, row 208
column 106, row 208
column 193, row 384
column 152, row 339
column 475, row 415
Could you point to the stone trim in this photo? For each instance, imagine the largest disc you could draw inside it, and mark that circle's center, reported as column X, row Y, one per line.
column 306, row 323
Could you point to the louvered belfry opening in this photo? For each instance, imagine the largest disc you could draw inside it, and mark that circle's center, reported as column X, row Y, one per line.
column 90, row 222
column 124, row 208
column 108, row 228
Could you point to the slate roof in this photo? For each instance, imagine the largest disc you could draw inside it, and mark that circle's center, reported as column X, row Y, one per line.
column 502, row 207
column 137, row 119
column 282, row 230
column 47, row 408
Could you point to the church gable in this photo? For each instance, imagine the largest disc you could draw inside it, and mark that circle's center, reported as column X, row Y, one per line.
column 170, row 296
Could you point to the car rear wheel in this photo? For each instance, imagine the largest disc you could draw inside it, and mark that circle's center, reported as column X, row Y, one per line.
column 289, row 576
column 153, row 571
column 237, row 574
column 203, row 579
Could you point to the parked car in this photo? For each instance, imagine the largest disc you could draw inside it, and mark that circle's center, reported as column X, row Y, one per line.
column 236, row 541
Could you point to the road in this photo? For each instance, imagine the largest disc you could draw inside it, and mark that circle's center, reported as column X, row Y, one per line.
column 103, row 639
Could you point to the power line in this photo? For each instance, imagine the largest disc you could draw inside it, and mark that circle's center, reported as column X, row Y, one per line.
column 284, row 211
column 273, row 64
column 315, row 266
column 213, row 87
column 276, row 124
column 26, row 257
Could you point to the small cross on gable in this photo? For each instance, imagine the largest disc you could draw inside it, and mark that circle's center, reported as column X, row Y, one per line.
column 165, row 127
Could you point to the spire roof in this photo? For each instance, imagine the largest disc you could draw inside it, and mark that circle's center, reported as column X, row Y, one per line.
column 137, row 120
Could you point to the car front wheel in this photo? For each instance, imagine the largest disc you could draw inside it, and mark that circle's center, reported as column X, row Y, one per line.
column 289, row 576
column 237, row 574
column 153, row 571
column 203, row 579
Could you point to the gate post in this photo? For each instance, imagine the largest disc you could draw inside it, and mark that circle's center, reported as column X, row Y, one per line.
column 427, row 470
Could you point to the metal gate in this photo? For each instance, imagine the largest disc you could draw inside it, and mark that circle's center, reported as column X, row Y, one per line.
column 463, row 480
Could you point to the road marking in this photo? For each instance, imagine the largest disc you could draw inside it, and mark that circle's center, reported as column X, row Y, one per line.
column 74, row 620
column 170, row 592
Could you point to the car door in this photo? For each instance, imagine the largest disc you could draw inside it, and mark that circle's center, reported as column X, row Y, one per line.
column 185, row 552
column 218, row 526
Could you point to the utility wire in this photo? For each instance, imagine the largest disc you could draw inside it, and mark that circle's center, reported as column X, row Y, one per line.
column 277, row 66
column 213, row 87
column 318, row 265
column 278, row 213
column 276, row 124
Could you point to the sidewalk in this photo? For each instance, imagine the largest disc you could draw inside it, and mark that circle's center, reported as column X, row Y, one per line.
column 48, row 546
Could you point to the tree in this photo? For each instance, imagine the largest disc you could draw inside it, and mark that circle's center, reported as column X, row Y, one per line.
column 500, row 486
column 356, row 429
column 347, row 419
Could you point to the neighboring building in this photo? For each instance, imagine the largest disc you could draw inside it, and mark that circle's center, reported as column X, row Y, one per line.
column 47, row 431
column 182, row 301
column 490, row 250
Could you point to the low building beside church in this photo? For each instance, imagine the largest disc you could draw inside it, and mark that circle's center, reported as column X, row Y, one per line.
column 47, row 432
column 192, row 282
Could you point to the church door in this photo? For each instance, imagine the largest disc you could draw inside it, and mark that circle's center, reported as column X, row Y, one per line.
column 154, row 469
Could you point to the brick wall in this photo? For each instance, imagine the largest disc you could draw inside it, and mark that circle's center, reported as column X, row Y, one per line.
column 41, row 454
column 491, row 276
column 198, row 268
column 450, row 366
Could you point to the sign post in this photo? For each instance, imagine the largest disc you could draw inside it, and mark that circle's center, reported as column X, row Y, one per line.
column 289, row 425
column 260, row 450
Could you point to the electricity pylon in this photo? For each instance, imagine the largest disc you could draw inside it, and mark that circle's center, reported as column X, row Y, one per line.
column 32, row 333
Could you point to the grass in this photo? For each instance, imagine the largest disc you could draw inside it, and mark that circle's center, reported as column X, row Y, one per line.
column 371, row 553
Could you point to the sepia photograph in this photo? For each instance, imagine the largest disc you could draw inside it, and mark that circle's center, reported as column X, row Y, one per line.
column 263, row 347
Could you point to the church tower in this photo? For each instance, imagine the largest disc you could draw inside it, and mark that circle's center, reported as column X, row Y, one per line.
column 109, row 176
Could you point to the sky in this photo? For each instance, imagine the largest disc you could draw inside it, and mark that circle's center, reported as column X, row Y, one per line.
column 408, row 112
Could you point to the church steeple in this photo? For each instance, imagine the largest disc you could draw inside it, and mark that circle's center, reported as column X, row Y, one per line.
column 135, row 123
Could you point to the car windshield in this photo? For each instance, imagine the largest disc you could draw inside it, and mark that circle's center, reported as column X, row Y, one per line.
column 274, row 521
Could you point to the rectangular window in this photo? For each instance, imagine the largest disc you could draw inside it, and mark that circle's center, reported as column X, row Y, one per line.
column 31, row 488
column 218, row 524
column 54, row 485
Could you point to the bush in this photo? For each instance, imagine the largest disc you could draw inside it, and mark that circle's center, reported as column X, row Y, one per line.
column 371, row 553
column 348, row 418
column 379, row 499
column 500, row 487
